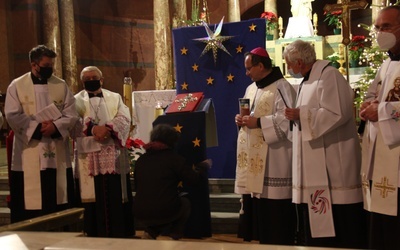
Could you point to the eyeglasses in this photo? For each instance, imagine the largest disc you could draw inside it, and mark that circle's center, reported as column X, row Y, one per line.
column 249, row 68
column 385, row 28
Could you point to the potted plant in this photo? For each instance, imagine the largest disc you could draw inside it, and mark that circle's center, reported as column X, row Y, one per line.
column 333, row 58
column 356, row 48
column 334, row 19
column 271, row 21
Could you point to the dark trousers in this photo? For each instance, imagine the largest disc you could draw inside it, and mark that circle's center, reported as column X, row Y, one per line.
column 175, row 228
column 385, row 230
column 350, row 221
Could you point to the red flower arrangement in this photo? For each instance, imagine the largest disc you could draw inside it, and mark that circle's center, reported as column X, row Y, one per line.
column 334, row 18
column 135, row 150
column 356, row 47
column 271, row 20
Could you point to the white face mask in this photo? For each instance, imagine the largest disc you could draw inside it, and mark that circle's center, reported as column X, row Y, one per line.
column 386, row 40
column 295, row 75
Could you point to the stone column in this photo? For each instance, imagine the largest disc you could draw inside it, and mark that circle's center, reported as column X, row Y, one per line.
column 233, row 11
column 6, row 54
column 51, row 32
column 270, row 5
column 69, row 61
column 376, row 9
column 162, row 46
column 180, row 14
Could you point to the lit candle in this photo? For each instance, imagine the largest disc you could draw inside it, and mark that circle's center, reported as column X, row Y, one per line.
column 128, row 93
column 280, row 22
column 315, row 19
column 158, row 109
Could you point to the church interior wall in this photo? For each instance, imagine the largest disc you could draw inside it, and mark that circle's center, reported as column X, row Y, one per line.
column 118, row 35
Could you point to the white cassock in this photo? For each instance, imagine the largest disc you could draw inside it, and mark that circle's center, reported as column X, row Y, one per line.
column 326, row 148
column 23, row 103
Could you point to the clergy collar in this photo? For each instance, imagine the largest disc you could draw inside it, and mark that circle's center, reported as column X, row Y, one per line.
column 306, row 76
column 100, row 94
column 272, row 77
column 37, row 80
column 393, row 57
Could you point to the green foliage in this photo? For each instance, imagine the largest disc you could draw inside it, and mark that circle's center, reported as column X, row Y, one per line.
column 333, row 57
column 374, row 58
column 334, row 18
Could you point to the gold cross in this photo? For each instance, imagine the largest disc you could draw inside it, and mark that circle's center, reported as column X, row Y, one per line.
column 384, row 187
column 345, row 6
column 25, row 105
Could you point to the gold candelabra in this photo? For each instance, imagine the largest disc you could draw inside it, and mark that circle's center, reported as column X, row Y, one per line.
column 315, row 23
column 341, row 60
column 280, row 27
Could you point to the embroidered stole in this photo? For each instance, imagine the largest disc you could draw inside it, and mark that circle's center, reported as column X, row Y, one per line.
column 316, row 183
column 252, row 149
column 86, row 180
column 31, row 152
column 382, row 196
column 317, row 190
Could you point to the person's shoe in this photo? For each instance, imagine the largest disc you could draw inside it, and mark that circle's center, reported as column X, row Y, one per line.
column 146, row 235
column 175, row 236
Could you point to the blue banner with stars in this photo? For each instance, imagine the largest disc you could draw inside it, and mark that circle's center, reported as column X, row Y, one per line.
column 221, row 76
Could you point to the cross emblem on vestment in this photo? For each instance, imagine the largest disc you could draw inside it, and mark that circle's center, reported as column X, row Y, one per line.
column 184, row 101
column 345, row 6
column 25, row 105
column 384, row 187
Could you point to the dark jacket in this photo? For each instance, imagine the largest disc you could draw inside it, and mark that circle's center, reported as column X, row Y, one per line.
column 157, row 175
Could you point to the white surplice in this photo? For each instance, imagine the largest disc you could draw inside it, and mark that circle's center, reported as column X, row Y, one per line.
column 264, row 154
column 24, row 100
column 326, row 149
column 108, row 157
column 381, row 145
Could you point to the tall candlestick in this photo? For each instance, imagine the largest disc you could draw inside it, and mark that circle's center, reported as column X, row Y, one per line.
column 128, row 93
column 315, row 19
column 280, row 22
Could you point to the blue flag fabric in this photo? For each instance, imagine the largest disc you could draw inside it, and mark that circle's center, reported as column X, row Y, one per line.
column 223, row 80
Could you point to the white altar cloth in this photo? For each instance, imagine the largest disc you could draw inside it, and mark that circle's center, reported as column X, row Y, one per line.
column 144, row 103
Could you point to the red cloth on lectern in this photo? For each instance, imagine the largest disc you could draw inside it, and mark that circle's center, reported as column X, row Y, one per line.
column 186, row 102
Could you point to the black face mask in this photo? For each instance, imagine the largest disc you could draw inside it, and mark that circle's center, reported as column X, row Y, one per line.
column 92, row 85
column 45, row 72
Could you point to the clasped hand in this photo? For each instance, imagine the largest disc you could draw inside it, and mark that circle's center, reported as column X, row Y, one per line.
column 101, row 133
column 246, row 120
column 369, row 111
column 48, row 128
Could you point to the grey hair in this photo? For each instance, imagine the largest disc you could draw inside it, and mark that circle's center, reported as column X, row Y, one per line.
column 91, row 68
column 300, row 49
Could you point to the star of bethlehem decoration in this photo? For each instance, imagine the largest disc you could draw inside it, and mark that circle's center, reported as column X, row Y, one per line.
column 214, row 40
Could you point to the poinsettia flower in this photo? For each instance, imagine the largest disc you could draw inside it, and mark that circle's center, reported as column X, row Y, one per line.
column 356, row 47
column 271, row 20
